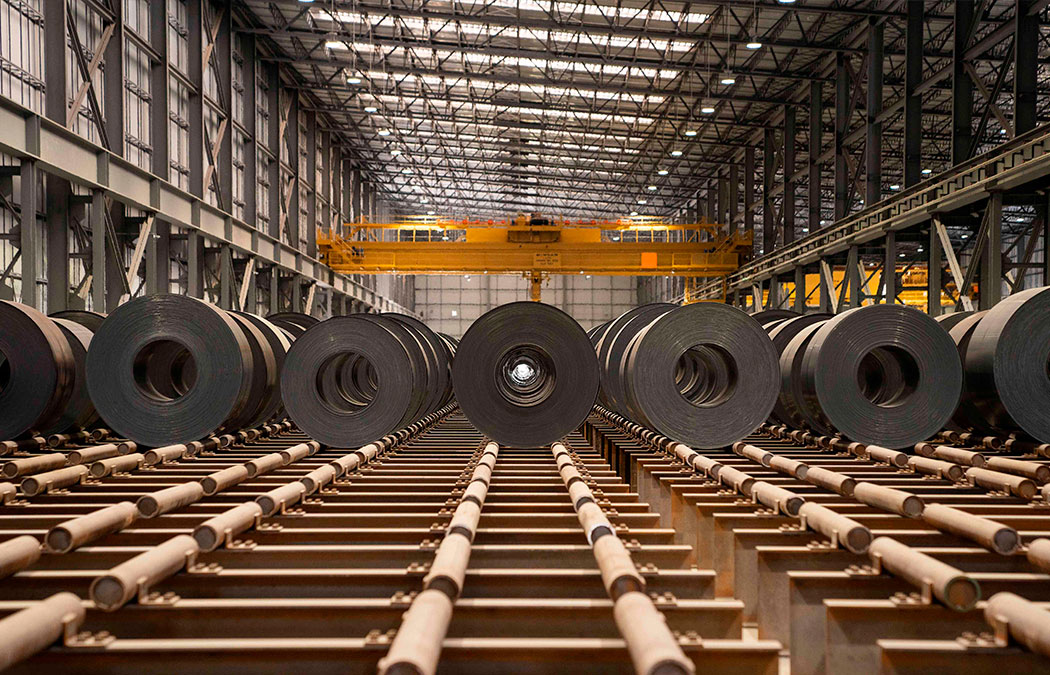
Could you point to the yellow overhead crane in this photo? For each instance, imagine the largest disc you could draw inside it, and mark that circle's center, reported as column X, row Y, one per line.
column 535, row 247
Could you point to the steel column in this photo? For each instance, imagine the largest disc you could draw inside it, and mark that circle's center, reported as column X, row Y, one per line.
column 768, row 170
column 749, row 190
column 113, row 82
column 273, row 144
column 734, row 198
column 1026, row 66
column 842, row 107
column 933, row 273
column 962, row 85
column 990, row 283
column 853, row 276
column 29, row 232
column 913, row 43
column 195, row 68
column 159, row 124
column 788, row 205
column 97, row 223
column 250, row 175
column 194, row 265
column 800, row 289
column 816, row 133
column 873, row 144
column 889, row 268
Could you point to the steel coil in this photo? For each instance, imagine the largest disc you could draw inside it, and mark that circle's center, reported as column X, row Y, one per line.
column 78, row 412
column 167, row 369
column 352, row 379
column 37, row 371
column 949, row 321
column 883, row 374
column 263, row 389
column 280, row 341
column 767, row 316
column 295, row 323
column 525, row 374
column 612, row 348
column 1006, row 359
column 90, row 320
column 703, row 374
column 782, row 332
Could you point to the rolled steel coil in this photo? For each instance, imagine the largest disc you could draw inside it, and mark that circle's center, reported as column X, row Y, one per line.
column 439, row 353
column 885, row 375
column 78, row 412
column 352, row 379
column 767, row 316
column 612, row 347
column 782, row 332
column 703, row 374
column 949, row 321
column 37, row 371
column 166, row 369
column 280, row 342
column 295, row 323
column 1006, row 361
column 525, row 374
column 263, row 391
column 90, row 320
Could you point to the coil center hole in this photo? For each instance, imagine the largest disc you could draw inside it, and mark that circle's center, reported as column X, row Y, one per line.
column 888, row 376
column 347, row 382
column 164, row 370
column 525, row 375
column 706, row 375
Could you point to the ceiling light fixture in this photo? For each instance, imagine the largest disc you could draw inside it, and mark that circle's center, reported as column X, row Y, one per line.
column 642, row 201
column 727, row 78
column 706, row 107
column 371, row 109
column 353, row 79
column 754, row 44
column 663, row 172
column 690, row 132
column 676, row 153
column 927, row 172
column 384, row 132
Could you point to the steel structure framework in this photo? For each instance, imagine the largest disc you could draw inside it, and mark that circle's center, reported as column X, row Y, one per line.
column 794, row 115
column 781, row 118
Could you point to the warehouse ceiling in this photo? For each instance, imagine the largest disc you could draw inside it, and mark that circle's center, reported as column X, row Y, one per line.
column 600, row 109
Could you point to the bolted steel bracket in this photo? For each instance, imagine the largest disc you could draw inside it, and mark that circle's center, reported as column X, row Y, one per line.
column 243, row 545
column 204, row 568
column 664, row 600
column 377, row 637
column 269, row 527
column 85, row 639
column 689, row 637
column 402, row 600
column 417, row 568
column 156, row 598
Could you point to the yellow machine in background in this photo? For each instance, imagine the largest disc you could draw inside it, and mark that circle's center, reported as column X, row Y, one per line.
column 535, row 247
